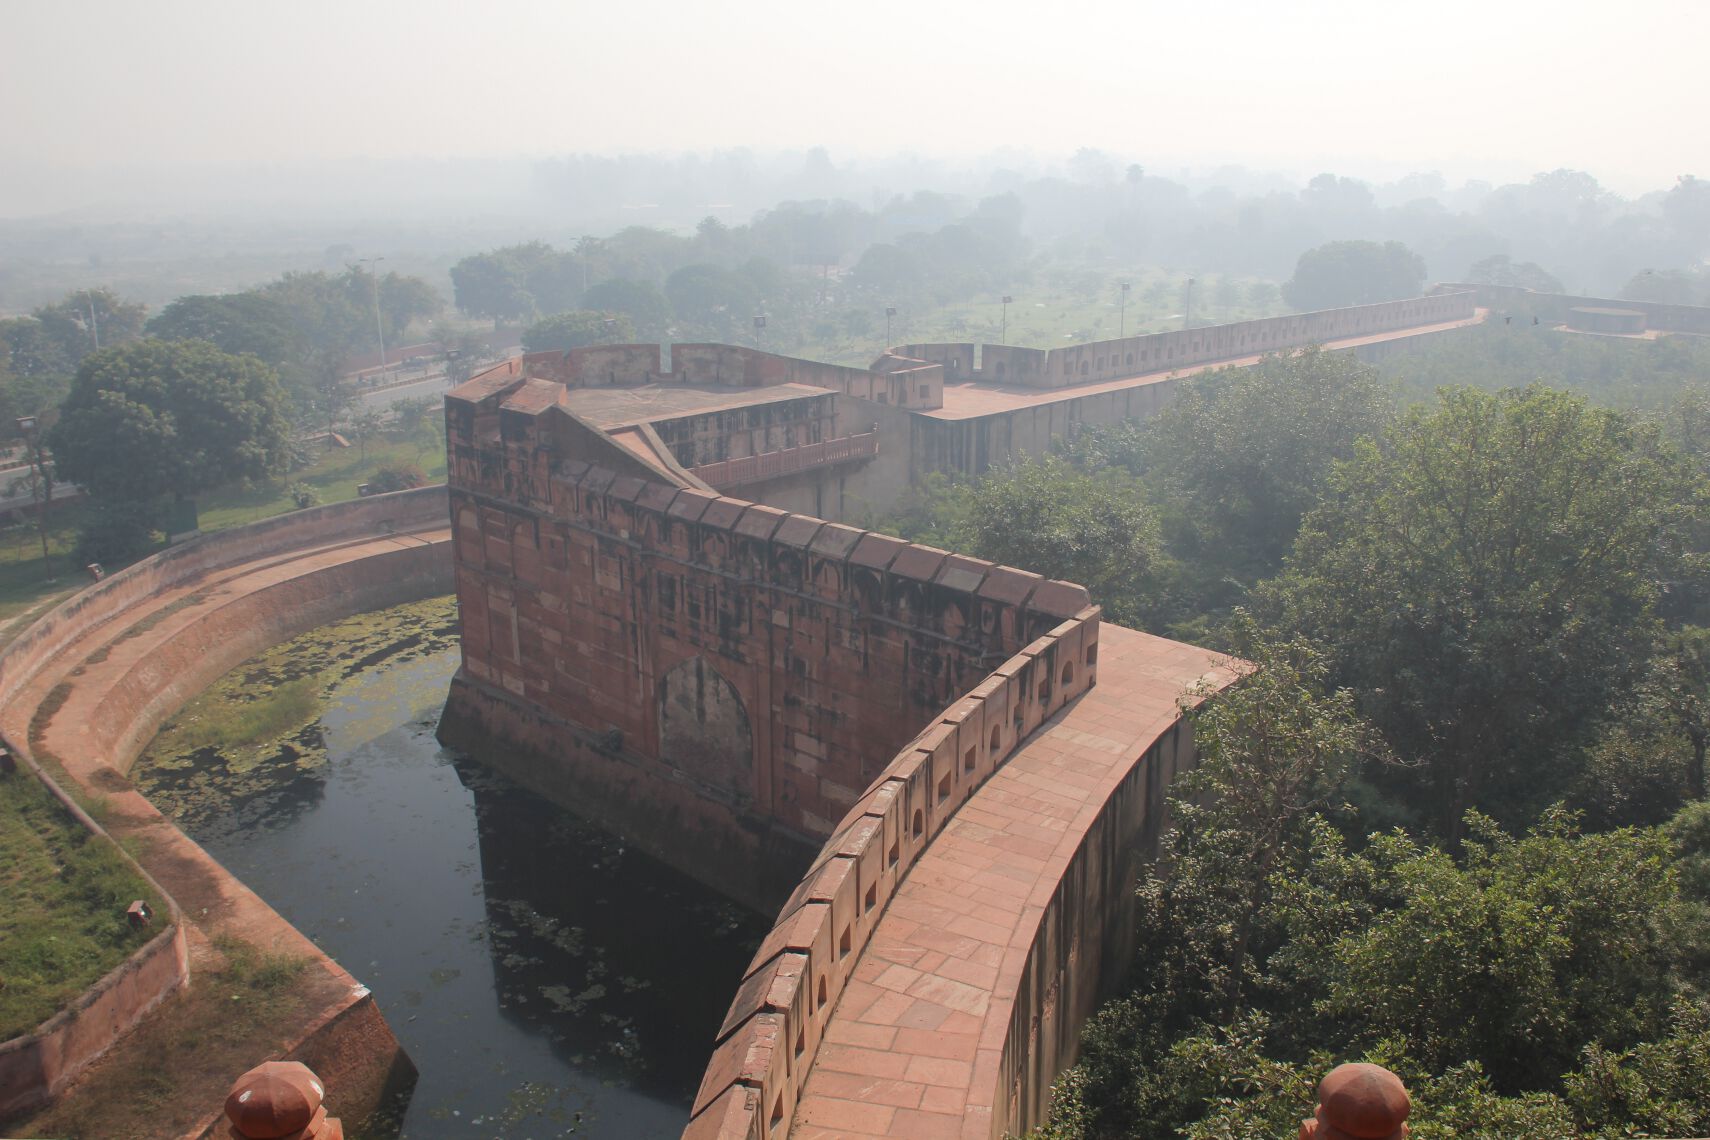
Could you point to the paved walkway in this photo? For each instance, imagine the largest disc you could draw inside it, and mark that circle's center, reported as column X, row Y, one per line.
column 972, row 398
column 914, row 1045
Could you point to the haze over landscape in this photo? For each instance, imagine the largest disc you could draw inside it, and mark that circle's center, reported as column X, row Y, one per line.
column 880, row 570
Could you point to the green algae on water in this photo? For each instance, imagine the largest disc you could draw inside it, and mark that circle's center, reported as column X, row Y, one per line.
column 251, row 737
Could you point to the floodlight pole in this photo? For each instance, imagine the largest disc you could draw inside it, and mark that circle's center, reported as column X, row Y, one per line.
column 890, row 311
column 374, row 277
column 1122, row 325
column 1003, row 322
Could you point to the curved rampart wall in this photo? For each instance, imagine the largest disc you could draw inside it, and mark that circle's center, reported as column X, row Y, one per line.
column 769, row 1039
column 34, row 1068
column 1160, row 352
column 360, row 518
column 1556, row 306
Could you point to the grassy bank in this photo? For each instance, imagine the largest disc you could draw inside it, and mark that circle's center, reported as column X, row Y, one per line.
column 63, row 926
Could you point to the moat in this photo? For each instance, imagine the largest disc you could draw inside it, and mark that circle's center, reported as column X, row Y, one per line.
column 545, row 979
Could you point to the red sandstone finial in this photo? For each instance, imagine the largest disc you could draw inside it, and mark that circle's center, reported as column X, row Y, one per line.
column 280, row 1099
column 1359, row 1102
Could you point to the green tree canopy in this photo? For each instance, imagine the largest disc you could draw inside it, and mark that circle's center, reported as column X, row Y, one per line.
column 236, row 323
column 575, row 329
column 1046, row 516
column 1241, row 454
column 1485, row 579
column 156, row 418
column 640, row 301
column 1354, row 273
column 1499, row 269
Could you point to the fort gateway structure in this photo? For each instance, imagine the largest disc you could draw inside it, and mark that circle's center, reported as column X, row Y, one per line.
column 942, row 773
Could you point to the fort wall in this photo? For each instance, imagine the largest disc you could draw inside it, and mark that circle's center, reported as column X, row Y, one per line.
column 772, row 1035
column 1160, row 352
column 1556, row 306
column 363, row 555
column 720, row 676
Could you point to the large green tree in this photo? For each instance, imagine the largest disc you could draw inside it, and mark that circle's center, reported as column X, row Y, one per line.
column 1485, row 578
column 576, row 328
column 1354, row 273
column 249, row 322
column 158, row 418
column 1241, row 455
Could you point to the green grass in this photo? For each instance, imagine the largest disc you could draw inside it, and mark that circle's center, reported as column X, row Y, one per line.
column 334, row 477
column 29, row 585
column 235, row 724
column 63, row 926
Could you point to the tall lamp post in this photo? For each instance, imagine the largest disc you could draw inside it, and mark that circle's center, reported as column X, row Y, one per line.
column 890, row 311
column 1122, row 321
column 41, row 481
column 374, row 279
column 759, row 323
column 1187, row 308
column 1003, row 321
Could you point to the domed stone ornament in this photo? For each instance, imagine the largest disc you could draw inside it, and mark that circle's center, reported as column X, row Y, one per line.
column 1359, row 1102
column 280, row 1100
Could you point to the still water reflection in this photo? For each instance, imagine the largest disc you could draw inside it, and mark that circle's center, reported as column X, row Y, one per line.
column 545, row 979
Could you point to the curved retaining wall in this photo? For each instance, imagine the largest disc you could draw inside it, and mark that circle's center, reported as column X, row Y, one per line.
column 770, row 1038
column 359, row 518
column 34, row 1068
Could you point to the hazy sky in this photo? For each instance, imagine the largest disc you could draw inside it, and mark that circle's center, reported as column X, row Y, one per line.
column 1494, row 88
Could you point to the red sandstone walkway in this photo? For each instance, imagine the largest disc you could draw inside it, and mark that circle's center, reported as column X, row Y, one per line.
column 914, row 1044
column 983, row 397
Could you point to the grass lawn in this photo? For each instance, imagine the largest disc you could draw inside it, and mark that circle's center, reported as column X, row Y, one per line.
column 63, row 926
column 29, row 585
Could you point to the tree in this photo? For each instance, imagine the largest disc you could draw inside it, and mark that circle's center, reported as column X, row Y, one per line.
column 712, row 297
column 1485, row 578
column 1043, row 515
column 1240, row 456
column 640, row 301
column 1498, row 269
column 575, row 329
column 1354, row 273
column 1663, row 287
column 90, row 319
column 156, row 418
column 236, row 323
column 404, row 301
column 366, row 425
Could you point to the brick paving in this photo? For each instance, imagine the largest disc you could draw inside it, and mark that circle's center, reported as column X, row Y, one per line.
column 914, row 1045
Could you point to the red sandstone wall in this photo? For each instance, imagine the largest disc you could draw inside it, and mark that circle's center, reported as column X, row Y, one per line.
column 838, row 642
column 769, row 1039
column 1160, row 352
column 35, row 1067
column 1555, row 306
column 399, row 512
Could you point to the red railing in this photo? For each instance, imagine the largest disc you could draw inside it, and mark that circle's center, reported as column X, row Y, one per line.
column 773, row 464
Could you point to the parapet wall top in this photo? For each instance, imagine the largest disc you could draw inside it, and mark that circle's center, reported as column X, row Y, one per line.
column 1359, row 1102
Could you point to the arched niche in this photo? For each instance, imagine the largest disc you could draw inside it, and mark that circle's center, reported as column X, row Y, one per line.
column 704, row 731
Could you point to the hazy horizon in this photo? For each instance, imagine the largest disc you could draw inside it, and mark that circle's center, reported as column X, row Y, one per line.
column 190, row 102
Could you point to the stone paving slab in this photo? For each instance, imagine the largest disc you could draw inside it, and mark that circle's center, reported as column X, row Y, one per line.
column 913, row 1046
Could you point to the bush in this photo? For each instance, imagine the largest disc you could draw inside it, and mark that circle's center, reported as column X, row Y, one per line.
column 397, row 477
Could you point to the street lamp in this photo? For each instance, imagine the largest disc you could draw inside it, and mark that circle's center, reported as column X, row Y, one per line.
column 1003, row 326
column 1122, row 325
column 374, row 279
column 890, row 311
column 41, row 482
column 1187, row 308
column 759, row 323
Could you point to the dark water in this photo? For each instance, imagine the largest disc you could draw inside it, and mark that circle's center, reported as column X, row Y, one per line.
column 545, row 980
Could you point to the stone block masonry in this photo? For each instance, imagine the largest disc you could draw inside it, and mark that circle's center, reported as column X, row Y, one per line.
column 718, row 680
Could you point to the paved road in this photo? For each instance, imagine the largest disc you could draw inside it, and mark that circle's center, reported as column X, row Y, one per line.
column 435, row 385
